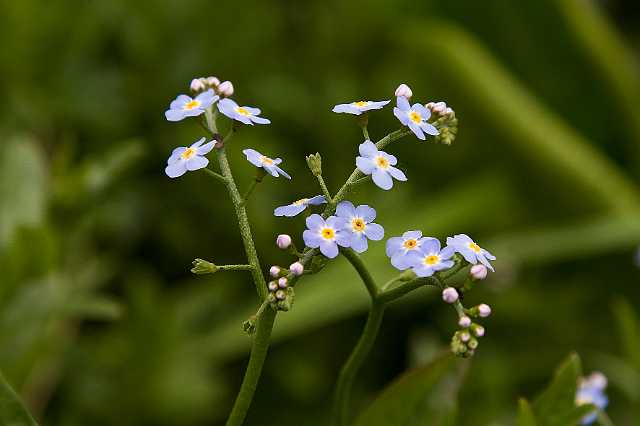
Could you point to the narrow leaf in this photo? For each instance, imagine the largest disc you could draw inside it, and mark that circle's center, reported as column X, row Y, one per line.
column 525, row 414
column 12, row 411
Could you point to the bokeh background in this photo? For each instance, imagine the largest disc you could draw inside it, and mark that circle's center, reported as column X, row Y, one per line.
column 101, row 322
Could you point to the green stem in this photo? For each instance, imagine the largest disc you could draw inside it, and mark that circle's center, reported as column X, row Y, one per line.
column 324, row 188
column 362, row 270
column 365, row 132
column 249, row 191
column 235, row 267
column 265, row 321
column 406, row 287
column 215, row 175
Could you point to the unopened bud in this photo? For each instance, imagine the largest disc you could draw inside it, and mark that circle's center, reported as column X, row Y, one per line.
column 484, row 310
column 282, row 282
column 464, row 321
column 473, row 343
column 225, row 88
column 283, row 241
column 274, row 271
column 197, row 85
column 203, row 267
column 296, row 268
column 212, row 82
column 449, row 295
column 273, row 286
column 478, row 330
column 281, row 295
column 404, row 91
column 314, row 161
column 597, row 380
column 249, row 326
column 478, row 272
column 464, row 336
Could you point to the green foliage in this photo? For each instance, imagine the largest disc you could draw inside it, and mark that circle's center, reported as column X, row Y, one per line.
column 12, row 411
column 427, row 395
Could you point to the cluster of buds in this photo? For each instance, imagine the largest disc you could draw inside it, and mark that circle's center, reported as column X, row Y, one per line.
column 281, row 294
column 444, row 119
column 202, row 84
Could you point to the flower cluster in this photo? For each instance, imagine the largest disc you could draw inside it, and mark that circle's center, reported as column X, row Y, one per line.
column 591, row 391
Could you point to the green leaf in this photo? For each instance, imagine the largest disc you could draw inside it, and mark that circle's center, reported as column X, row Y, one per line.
column 12, row 411
column 629, row 330
column 22, row 186
column 556, row 405
column 525, row 414
column 426, row 395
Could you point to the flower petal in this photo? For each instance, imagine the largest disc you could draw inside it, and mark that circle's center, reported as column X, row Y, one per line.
column 382, row 179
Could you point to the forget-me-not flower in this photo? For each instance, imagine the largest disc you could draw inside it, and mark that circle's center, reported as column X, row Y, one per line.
column 270, row 165
column 471, row 251
column 399, row 248
column 185, row 159
column 299, row 206
column 359, row 223
column 243, row 114
column 359, row 107
column 379, row 165
column 186, row 106
column 327, row 235
column 591, row 391
column 415, row 117
column 429, row 259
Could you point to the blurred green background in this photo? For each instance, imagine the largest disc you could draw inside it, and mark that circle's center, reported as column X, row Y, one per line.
column 101, row 322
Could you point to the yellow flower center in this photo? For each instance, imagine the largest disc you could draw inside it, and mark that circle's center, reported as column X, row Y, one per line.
column 191, row 105
column 431, row 259
column 410, row 244
column 301, row 201
column 382, row 162
column 361, row 103
column 242, row 111
column 358, row 224
column 328, row 233
column 266, row 160
column 415, row 117
column 188, row 153
column 475, row 247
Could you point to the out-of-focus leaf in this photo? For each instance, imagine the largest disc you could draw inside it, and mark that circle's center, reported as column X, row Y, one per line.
column 525, row 414
column 100, row 308
column 629, row 331
column 541, row 136
column 22, row 186
column 12, row 411
column 556, row 406
column 427, row 395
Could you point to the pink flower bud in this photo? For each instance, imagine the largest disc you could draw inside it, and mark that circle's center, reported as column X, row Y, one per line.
column 296, row 268
column 212, row 81
column 225, row 88
column 465, row 336
column 404, row 91
column 274, row 271
column 484, row 310
column 282, row 282
column 478, row 272
column 280, row 295
column 464, row 321
column 478, row 331
column 283, row 241
column 449, row 295
column 197, row 85
column 273, row 286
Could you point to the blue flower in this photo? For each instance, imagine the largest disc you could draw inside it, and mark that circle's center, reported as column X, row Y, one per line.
column 399, row 248
column 185, row 159
column 358, row 222
column 299, row 206
column 429, row 259
column 591, row 391
column 185, row 106
column 415, row 117
column 327, row 235
column 243, row 114
column 471, row 251
column 269, row 164
column 359, row 107
column 379, row 165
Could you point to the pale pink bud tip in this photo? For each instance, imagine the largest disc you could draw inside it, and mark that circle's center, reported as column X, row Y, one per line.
column 274, row 271
column 273, row 286
column 465, row 337
column 225, row 88
column 479, row 331
column 449, row 295
column 484, row 310
column 404, row 91
column 464, row 321
column 282, row 282
column 296, row 268
column 478, row 272
column 280, row 295
column 197, row 85
column 283, row 241
column 212, row 81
